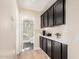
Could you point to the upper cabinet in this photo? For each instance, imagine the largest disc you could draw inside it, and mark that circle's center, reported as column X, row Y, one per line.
column 44, row 20
column 64, row 51
column 59, row 13
column 45, row 15
column 42, row 24
column 55, row 15
column 50, row 17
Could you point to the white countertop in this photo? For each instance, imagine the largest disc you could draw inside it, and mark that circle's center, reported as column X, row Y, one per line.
column 61, row 40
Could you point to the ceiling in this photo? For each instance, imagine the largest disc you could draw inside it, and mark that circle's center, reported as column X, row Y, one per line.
column 36, row 5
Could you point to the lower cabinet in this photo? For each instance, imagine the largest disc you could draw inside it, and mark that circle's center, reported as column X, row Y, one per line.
column 41, row 42
column 44, row 44
column 49, row 44
column 54, row 49
column 64, row 51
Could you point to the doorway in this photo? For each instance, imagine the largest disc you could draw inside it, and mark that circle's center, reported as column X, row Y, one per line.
column 27, row 34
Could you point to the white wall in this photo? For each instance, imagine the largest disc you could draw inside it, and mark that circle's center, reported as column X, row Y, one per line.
column 72, row 17
column 8, row 17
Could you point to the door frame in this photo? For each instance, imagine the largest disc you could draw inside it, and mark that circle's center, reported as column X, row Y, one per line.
column 19, row 31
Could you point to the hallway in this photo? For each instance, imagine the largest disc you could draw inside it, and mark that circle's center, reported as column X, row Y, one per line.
column 33, row 54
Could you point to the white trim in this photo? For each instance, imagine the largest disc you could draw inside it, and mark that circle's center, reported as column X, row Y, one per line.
column 19, row 31
column 27, row 18
column 17, row 36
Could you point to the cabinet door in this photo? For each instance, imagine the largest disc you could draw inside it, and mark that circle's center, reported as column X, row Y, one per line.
column 41, row 42
column 64, row 51
column 49, row 47
column 45, row 45
column 50, row 17
column 56, row 50
column 59, row 13
column 45, row 19
column 42, row 21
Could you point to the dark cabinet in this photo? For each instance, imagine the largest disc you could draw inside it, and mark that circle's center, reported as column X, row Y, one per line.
column 64, row 51
column 41, row 42
column 45, row 19
column 49, row 44
column 44, row 44
column 50, row 17
column 55, row 15
column 59, row 13
column 42, row 21
column 54, row 49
